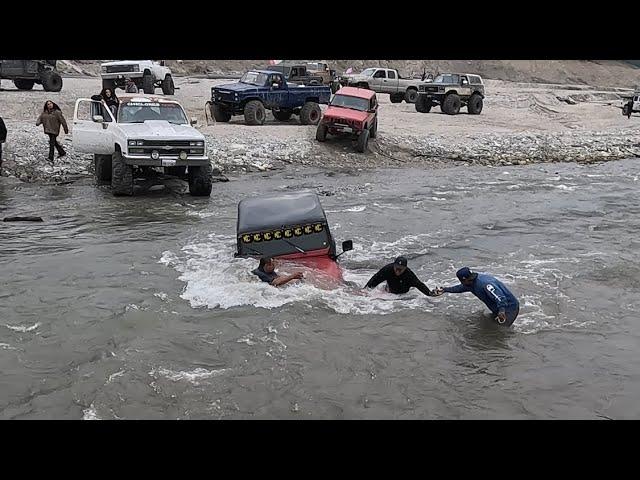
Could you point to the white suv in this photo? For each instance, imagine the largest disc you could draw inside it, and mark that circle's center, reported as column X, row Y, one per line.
column 146, row 74
column 149, row 132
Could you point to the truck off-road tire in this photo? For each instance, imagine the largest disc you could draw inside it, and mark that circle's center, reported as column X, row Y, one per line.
column 200, row 180
column 121, row 175
column 168, row 88
column 282, row 115
column 423, row 104
column 110, row 84
column 23, row 84
column 321, row 132
column 176, row 171
column 373, row 131
column 310, row 113
column 451, row 104
column 51, row 81
column 102, row 167
column 411, row 95
column 396, row 97
column 219, row 113
column 363, row 141
column 148, row 84
column 474, row 104
column 254, row 113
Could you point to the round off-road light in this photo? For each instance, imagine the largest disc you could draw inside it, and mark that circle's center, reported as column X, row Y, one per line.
column 155, row 154
column 183, row 155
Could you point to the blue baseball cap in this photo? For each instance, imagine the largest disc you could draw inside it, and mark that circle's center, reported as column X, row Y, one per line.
column 465, row 273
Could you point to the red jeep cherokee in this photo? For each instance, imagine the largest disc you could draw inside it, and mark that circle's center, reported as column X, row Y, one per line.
column 353, row 111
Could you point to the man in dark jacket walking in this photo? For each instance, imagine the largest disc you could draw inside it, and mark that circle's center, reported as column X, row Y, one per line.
column 491, row 291
column 3, row 138
column 399, row 278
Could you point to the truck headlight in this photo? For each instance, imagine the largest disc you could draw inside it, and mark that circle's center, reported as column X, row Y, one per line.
column 133, row 143
column 196, row 144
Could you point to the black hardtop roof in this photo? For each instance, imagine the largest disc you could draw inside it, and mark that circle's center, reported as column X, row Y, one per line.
column 278, row 210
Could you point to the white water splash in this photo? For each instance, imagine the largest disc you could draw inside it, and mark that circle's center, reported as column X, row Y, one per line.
column 192, row 376
column 23, row 329
column 90, row 413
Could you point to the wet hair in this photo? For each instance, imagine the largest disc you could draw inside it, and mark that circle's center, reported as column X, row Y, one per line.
column 263, row 262
column 55, row 106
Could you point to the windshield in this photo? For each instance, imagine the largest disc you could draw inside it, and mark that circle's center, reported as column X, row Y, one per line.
column 368, row 72
column 139, row 112
column 447, row 78
column 254, row 78
column 353, row 103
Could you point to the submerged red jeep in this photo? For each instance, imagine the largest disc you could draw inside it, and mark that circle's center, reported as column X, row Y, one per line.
column 353, row 111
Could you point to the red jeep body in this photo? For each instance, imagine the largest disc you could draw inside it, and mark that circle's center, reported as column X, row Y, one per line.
column 352, row 111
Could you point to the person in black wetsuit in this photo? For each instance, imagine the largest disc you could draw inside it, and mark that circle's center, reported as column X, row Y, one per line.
column 399, row 278
column 267, row 273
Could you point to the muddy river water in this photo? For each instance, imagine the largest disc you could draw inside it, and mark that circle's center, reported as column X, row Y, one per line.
column 135, row 307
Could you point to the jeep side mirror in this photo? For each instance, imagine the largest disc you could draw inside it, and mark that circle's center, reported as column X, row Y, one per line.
column 347, row 245
column 98, row 118
column 194, row 121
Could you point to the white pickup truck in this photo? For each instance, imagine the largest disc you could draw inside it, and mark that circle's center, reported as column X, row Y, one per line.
column 385, row 80
column 146, row 74
column 149, row 132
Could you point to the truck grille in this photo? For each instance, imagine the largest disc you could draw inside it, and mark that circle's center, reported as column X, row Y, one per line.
column 167, row 148
column 119, row 68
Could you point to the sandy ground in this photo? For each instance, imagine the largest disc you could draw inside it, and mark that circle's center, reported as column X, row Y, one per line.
column 520, row 123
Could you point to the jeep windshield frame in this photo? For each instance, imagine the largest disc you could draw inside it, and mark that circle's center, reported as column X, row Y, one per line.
column 347, row 101
column 254, row 78
column 139, row 112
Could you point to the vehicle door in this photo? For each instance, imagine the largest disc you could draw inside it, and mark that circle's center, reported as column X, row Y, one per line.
column 93, row 126
column 277, row 92
column 636, row 103
column 378, row 79
column 465, row 87
column 391, row 82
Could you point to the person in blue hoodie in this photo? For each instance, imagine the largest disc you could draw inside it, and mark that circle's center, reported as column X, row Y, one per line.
column 491, row 291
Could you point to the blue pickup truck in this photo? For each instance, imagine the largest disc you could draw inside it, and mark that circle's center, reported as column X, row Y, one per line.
column 261, row 90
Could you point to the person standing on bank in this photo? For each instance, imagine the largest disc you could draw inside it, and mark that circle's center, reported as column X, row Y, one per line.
column 3, row 138
column 52, row 119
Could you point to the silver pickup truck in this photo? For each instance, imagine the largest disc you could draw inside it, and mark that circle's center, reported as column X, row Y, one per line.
column 385, row 80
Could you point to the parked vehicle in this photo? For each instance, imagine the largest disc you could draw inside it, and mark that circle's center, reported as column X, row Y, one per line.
column 261, row 90
column 296, row 73
column 451, row 91
column 150, row 131
column 26, row 73
column 385, row 80
column 354, row 112
column 329, row 76
column 146, row 74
